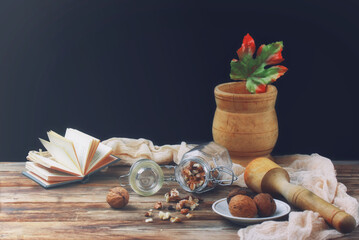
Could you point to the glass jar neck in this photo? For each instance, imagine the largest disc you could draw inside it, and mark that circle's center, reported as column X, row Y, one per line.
column 179, row 174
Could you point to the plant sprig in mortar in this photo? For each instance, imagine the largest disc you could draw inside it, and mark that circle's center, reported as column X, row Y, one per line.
column 252, row 70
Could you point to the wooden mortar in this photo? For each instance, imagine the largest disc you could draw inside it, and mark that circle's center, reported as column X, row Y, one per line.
column 244, row 123
column 263, row 175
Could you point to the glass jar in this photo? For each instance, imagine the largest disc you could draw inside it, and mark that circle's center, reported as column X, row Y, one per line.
column 200, row 170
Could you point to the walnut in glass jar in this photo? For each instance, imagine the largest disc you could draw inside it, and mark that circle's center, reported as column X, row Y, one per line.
column 194, row 175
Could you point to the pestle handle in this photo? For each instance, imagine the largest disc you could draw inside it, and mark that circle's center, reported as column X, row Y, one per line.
column 304, row 199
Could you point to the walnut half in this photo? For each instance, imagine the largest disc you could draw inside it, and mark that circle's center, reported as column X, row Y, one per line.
column 172, row 196
column 186, row 204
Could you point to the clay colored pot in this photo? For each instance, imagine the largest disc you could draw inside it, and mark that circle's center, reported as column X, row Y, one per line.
column 246, row 124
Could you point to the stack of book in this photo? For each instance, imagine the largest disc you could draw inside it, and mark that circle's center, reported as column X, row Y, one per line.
column 72, row 158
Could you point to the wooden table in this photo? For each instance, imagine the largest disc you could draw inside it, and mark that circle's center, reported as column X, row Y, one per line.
column 80, row 211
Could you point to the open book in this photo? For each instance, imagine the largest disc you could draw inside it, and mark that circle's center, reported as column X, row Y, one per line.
column 67, row 159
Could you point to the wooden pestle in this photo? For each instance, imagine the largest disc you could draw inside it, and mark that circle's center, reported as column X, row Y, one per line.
column 264, row 175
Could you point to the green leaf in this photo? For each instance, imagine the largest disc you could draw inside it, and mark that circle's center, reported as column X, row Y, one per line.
column 253, row 70
column 241, row 69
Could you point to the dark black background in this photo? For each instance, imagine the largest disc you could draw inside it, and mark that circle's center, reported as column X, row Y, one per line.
column 148, row 69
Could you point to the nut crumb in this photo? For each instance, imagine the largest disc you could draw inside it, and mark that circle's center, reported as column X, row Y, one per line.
column 175, row 220
column 158, row 205
column 189, row 215
column 149, row 220
column 172, row 196
column 164, row 215
column 196, row 165
column 148, row 214
column 186, row 204
column 193, row 197
column 184, row 211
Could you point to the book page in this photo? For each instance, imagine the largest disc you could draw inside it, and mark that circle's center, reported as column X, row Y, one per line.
column 38, row 178
column 66, row 144
column 60, row 155
column 82, row 144
column 102, row 151
column 48, row 174
column 85, row 146
column 45, row 159
column 43, row 182
column 104, row 162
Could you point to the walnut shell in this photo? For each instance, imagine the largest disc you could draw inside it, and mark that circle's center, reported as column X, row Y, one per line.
column 265, row 204
column 240, row 190
column 117, row 197
column 242, row 206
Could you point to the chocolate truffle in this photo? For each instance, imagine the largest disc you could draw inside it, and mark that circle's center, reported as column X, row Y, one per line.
column 242, row 206
column 265, row 204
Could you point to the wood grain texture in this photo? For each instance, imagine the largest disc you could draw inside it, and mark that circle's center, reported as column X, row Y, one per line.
column 80, row 211
column 246, row 124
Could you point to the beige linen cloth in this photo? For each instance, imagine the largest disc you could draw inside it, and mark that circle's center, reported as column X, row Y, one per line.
column 313, row 172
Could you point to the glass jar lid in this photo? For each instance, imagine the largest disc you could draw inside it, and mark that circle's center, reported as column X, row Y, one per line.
column 145, row 177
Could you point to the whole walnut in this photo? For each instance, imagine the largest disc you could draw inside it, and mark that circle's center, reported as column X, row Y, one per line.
column 117, row 197
column 265, row 204
column 240, row 190
column 242, row 206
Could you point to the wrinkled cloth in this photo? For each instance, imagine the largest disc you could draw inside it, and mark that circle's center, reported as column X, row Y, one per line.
column 313, row 172
column 130, row 150
column 317, row 174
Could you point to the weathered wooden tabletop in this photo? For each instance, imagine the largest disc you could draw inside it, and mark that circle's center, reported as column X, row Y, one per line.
column 80, row 211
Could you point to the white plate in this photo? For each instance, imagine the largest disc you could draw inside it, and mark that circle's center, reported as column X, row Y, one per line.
column 221, row 207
